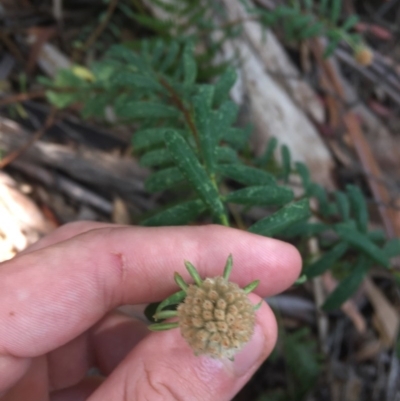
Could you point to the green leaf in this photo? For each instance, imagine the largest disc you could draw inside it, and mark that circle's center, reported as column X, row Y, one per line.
column 246, row 175
column 269, row 153
column 223, row 118
column 158, row 157
column 173, row 299
column 325, row 262
column 170, row 58
column 330, row 49
column 208, row 142
column 286, row 160
column 315, row 28
column 347, row 287
column 188, row 164
column 335, row 10
column 377, row 236
column 236, row 137
column 361, row 242
column 226, row 154
column 261, row 196
column 304, row 173
column 320, row 193
column 189, row 65
column 129, row 57
column 323, row 8
column 305, row 229
column 392, row 248
column 224, row 85
column 148, row 137
column 181, row 214
column 350, row 22
column 134, row 80
column 359, row 206
column 343, row 205
column 282, row 219
column 137, row 110
column 164, row 179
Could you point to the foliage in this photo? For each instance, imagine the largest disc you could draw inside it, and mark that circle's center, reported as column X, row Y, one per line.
column 187, row 134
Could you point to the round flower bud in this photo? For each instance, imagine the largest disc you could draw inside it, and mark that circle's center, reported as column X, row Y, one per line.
column 225, row 322
column 364, row 56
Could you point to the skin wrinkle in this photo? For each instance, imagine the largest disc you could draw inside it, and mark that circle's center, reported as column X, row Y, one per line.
column 155, row 385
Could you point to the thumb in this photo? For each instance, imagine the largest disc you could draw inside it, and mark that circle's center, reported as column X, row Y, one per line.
column 163, row 367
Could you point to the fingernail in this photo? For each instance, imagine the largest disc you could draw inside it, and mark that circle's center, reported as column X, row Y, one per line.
column 251, row 354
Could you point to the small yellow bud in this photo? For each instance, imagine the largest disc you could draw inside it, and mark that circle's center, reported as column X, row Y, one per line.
column 364, row 56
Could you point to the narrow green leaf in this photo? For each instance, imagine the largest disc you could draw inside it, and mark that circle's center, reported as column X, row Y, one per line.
column 195, row 173
column 269, row 153
column 330, row 49
column 133, row 80
column 226, row 154
column 224, row 85
column 325, row 262
column 261, row 196
column 282, row 219
column 343, row 205
column 335, row 11
column 361, row 242
column 319, row 192
column 180, row 281
column 377, row 236
column 223, row 118
column 236, row 137
column 173, row 299
column 165, row 314
column 171, row 56
column 157, row 157
column 350, row 22
column 304, row 173
column 189, row 65
column 177, row 215
column 137, row 110
column 151, row 137
column 251, row 287
column 208, row 142
column 308, row 5
column 164, row 179
column 348, row 286
column 193, row 273
column 392, row 248
column 286, row 160
column 359, row 207
column 228, row 268
column 163, row 326
column 246, row 175
column 323, row 8
column 315, row 28
column 305, row 229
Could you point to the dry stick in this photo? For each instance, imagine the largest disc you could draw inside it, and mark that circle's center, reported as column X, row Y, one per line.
column 50, row 120
column 12, row 47
column 372, row 170
column 21, row 97
column 363, row 149
column 100, row 28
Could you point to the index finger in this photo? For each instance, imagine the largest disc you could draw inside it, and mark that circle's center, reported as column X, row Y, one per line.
column 50, row 296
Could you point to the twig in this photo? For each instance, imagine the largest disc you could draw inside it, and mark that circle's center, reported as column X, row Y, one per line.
column 21, row 97
column 38, row 134
column 69, row 187
column 12, row 47
column 100, row 28
column 381, row 194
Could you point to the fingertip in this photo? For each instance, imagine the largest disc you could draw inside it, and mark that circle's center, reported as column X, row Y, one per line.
column 12, row 369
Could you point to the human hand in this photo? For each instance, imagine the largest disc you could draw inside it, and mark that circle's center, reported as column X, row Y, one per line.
column 58, row 316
